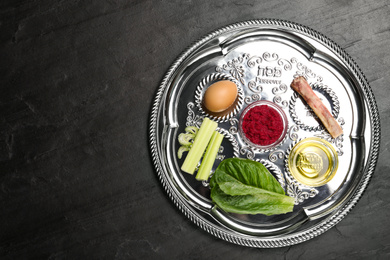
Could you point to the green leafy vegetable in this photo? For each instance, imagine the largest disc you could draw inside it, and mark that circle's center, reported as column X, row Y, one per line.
column 246, row 187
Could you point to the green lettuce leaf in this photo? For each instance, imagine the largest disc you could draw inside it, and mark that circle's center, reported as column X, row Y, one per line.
column 246, row 187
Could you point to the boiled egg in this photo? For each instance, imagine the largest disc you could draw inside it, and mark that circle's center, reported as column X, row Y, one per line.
column 220, row 95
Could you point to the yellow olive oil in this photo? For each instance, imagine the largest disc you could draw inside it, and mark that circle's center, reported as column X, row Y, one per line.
column 313, row 161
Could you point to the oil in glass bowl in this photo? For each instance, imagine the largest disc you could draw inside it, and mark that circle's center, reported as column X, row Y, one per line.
column 313, row 161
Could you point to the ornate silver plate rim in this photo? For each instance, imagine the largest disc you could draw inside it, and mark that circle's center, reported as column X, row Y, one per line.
column 218, row 229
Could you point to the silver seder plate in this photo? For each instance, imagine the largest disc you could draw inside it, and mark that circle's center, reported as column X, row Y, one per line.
column 263, row 57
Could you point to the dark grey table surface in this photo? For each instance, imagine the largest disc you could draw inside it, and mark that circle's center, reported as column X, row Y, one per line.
column 77, row 83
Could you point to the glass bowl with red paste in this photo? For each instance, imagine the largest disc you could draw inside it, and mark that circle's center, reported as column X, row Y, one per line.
column 263, row 124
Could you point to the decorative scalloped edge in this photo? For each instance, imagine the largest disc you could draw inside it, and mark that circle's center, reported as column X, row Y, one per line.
column 231, row 139
column 293, row 238
column 275, row 170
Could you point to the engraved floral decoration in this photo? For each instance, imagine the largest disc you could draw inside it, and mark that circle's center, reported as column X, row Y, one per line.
column 235, row 68
column 250, row 99
column 285, row 63
column 278, row 91
column 192, row 118
column 275, row 155
column 292, row 132
column 298, row 192
column 303, row 70
column 254, row 87
column 248, row 151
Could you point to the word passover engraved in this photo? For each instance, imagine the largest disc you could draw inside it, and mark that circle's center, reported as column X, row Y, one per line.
column 270, row 72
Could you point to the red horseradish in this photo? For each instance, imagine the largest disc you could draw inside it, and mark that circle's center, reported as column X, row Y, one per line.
column 263, row 124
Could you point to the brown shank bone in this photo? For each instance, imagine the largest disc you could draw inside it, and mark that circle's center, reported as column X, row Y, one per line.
column 300, row 85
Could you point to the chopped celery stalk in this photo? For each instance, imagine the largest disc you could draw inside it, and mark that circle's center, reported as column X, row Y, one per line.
column 191, row 129
column 181, row 150
column 186, row 139
column 209, row 157
column 202, row 138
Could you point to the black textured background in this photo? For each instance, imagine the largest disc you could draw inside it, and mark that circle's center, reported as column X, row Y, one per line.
column 77, row 82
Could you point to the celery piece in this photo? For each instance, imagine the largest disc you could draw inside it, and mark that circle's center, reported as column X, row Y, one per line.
column 191, row 129
column 202, row 138
column 186, row 139
column 209, row 157
column 181, row 150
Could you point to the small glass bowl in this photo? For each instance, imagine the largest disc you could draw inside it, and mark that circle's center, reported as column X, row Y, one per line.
column 284, row 122
column 313, row 162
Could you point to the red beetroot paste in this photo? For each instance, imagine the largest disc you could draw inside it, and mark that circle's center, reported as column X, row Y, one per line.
column 262, row 125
